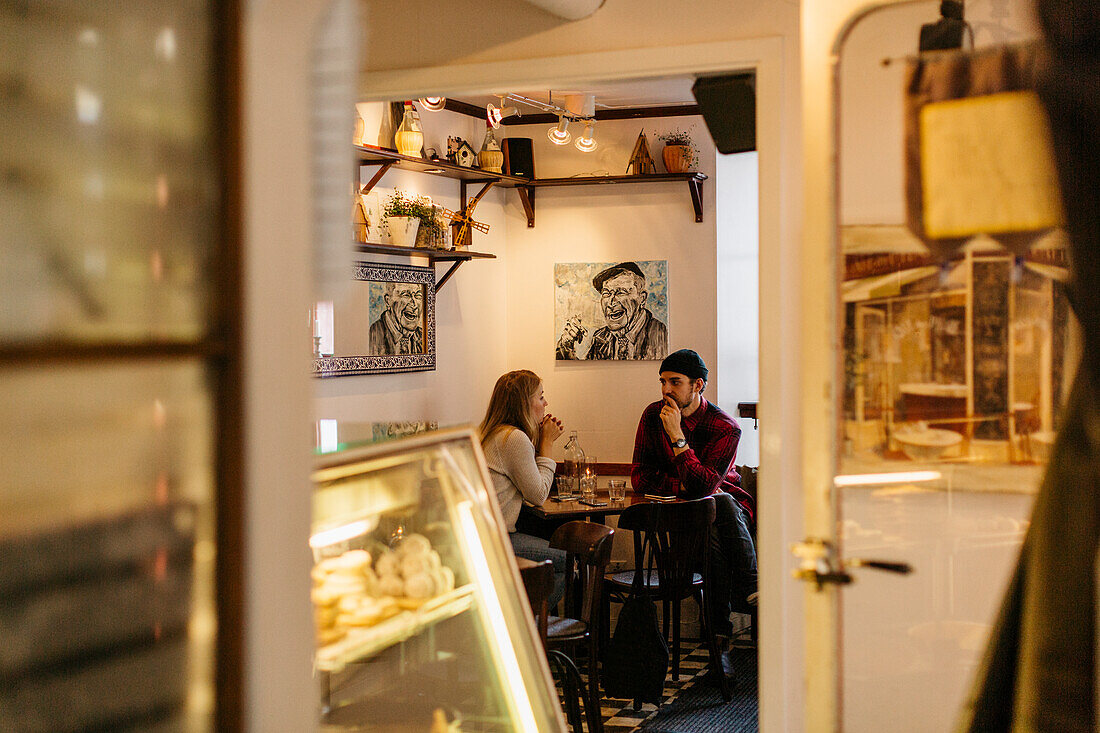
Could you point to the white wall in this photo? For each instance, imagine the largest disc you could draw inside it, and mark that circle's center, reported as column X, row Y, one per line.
column 470, row 319
column 737, row 199
column 609, row 223
column 497, row 315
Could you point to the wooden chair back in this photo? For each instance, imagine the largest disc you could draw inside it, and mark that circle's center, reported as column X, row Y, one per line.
column 588, row 549
column 677, row 534
column 538, row 581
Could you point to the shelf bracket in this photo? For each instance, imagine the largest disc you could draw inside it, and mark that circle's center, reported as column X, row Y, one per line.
column 382, row 168
column 447, row 275
column 527, row 198
column 695, row 186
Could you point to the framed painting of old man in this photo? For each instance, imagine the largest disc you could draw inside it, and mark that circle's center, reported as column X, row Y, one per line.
column 386, row 323
column 611, row 310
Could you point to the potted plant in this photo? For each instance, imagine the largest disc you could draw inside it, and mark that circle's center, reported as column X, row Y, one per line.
column 680, row 152
column 413, row 221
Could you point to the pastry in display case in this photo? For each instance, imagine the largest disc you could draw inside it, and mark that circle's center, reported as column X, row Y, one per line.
column 420, row 616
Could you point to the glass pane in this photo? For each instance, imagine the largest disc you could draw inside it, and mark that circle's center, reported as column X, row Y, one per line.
column 956, row 354
column 107, row 184
column 106, row 548
column 419, row 619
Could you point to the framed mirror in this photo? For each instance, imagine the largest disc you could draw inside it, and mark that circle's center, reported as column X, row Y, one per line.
column 385, row 325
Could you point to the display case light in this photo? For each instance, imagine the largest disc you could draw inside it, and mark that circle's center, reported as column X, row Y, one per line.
column 343, row 533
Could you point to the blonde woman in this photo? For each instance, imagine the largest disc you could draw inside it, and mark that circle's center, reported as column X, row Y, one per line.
column 516, row 436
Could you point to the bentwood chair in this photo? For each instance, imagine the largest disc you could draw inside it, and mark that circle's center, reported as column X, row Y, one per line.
column 588, row 551
column 538, row 581
column 679, row 535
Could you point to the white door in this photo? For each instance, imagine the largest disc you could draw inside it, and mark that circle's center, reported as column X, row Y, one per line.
column 949, row 380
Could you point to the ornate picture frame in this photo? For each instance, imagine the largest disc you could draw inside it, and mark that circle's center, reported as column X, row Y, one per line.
column 385, row 327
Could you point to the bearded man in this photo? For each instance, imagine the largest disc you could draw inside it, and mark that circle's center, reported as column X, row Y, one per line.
column 685, row 447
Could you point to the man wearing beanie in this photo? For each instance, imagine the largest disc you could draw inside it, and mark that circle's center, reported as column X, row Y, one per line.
column 685, row 447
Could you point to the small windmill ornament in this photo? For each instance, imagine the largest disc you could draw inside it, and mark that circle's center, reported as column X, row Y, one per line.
column 463, row 221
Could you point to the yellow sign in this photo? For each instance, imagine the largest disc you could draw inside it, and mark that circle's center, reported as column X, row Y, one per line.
column 987, row 167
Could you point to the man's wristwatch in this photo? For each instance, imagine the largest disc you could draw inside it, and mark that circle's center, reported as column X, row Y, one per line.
column 681, row 443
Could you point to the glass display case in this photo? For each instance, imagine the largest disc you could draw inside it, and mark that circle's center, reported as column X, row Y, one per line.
column 421, row 619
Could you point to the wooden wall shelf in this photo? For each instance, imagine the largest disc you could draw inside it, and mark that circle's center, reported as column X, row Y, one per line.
column 694, row 181
column 386, row 159
column 455, row 257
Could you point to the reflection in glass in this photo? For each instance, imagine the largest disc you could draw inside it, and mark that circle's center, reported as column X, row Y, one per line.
column 106, row 547
column 956, row 345
column 956, row 362
column 108, row 187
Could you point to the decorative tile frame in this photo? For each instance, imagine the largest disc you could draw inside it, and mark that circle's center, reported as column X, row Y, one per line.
column 349, row 365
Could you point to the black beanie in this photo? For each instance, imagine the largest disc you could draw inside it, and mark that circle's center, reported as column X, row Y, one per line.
column 686, row 362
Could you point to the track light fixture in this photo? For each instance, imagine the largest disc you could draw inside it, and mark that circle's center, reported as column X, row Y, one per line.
column 434, row 104
column 495, row 114
column 560, row 135
column 586, row 143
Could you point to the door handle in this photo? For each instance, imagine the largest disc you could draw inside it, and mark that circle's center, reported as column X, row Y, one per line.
column 820, row 564
column 902, row 568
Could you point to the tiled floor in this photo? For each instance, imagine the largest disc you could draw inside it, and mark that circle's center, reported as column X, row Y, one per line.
column 619, row 716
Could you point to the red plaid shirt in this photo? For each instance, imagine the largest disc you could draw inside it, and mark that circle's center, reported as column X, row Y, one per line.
column 701, row 470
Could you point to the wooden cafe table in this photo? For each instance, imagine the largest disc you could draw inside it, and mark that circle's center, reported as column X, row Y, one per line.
column 570, row 509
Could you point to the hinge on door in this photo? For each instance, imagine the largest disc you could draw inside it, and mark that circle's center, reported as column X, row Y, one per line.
column 820, row 564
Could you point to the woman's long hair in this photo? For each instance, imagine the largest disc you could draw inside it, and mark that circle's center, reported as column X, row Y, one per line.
column 510, row 405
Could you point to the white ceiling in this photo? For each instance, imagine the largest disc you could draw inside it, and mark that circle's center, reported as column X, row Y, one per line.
column 609, row 95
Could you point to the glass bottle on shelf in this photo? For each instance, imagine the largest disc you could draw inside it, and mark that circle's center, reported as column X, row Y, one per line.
column 409, row 137
column 491, row 157
column 570, row 484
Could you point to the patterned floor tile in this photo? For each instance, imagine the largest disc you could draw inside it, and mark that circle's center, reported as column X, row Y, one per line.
column 619, row 716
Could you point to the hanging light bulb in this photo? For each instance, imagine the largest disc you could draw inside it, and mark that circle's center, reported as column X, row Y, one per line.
column 559, row 135
column 434, row 104
column 495, row 114
column 586, row 143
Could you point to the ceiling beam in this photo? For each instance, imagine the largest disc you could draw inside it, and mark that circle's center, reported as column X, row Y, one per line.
column 543, row 118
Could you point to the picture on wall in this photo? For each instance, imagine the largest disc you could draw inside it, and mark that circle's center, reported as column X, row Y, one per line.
column 607, row 310
column 385, row 324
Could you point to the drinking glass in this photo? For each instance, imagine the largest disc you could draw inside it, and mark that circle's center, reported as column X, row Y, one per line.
column 565, row 487
column 616, row 488
column 588, row 478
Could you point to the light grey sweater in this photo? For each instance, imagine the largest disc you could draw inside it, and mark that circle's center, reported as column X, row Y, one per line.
column 518, row 475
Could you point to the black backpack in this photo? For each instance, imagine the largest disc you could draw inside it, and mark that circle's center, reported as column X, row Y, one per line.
column 636, row 660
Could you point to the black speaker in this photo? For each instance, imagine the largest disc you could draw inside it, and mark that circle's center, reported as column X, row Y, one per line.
column 518, row 158
column 728, row 106
column 946, row 33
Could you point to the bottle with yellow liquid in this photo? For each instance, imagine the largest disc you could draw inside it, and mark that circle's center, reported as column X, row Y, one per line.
column 409, row 137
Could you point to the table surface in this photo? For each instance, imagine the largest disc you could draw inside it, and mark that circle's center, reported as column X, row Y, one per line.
column 573, row 509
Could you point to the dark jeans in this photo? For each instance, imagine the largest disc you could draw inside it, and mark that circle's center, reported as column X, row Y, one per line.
column 732, row 562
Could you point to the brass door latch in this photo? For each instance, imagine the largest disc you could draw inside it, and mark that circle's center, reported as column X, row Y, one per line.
column 820, row 564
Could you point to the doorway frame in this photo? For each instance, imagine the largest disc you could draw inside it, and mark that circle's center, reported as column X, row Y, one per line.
column 781, row 654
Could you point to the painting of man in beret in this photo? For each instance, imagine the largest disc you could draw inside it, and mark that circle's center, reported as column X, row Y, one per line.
column 630, row 329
